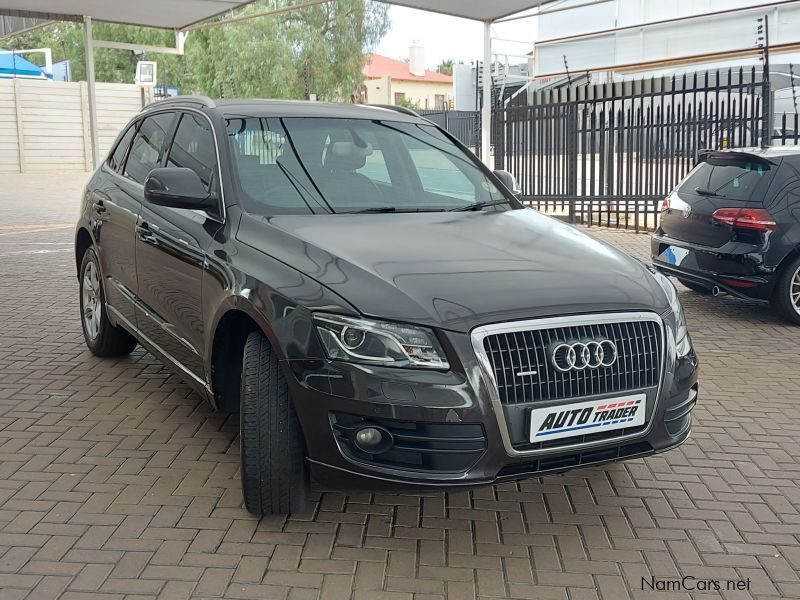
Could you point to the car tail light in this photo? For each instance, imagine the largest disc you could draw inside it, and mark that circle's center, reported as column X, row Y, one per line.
column 746, row 218
column 665, row 205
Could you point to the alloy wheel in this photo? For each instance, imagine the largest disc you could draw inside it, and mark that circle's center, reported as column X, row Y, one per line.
column 794, row 291
column 91, row 300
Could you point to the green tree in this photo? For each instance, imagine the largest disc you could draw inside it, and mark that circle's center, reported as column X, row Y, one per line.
column 446, row 66
column 407, row 103
column 316, row 50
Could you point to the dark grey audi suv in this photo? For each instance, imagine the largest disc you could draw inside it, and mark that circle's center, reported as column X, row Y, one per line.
column 378, row 307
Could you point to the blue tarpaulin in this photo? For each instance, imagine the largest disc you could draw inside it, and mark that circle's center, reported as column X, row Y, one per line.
column 14, row 65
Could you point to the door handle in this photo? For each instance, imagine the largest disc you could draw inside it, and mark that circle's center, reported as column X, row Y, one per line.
column 144, row 233
column 99, row 207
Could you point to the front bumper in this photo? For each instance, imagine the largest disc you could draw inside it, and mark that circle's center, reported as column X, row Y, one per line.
column 446, row 426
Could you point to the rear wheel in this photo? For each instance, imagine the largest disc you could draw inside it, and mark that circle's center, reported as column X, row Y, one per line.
column 786, row 298
column 696, row 287
column 102, row 338
column 272, row 449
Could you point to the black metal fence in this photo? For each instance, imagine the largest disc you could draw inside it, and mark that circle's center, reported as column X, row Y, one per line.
column 464, row 125
column 608, row 154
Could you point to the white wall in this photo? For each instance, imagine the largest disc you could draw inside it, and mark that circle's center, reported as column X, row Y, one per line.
column 712, row 34
column 44, row 125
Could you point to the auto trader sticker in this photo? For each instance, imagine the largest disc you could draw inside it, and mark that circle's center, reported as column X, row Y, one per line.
column 590, row 417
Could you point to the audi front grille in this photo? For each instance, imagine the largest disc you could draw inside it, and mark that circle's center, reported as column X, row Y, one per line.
column 531, row 363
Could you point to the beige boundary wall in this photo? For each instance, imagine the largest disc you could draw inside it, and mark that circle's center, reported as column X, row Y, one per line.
column 44, row 125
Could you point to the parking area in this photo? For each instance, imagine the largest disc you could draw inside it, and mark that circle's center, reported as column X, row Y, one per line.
column 117, row 481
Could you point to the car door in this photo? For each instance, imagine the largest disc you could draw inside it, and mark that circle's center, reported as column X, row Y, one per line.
column 114, row 214
column 170, row 252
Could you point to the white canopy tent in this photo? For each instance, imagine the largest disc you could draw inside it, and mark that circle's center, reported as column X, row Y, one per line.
column 179, row 15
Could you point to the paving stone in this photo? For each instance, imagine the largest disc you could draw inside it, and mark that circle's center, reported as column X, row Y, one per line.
column 117, row 480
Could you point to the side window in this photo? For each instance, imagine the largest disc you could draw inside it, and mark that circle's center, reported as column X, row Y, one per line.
column 193, row 148
column 117, row 158
column 146, row 146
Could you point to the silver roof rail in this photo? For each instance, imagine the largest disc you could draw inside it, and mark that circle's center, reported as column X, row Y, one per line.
column 400, row 109
column 178, row 100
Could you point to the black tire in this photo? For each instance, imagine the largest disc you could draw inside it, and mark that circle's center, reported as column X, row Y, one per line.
column 106, row 340
column 782, row 300
column 696, row 287
column 272, row 447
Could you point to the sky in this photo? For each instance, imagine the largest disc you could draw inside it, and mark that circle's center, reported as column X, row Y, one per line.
column 449, row 37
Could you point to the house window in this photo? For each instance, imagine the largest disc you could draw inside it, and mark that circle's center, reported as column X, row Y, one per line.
column 399, row 97
column 440, row 101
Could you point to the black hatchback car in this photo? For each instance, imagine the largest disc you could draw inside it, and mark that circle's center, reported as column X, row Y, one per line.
column 376, row 305
column 733, row 225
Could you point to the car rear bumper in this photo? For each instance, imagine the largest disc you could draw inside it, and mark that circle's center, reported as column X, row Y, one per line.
column 446, row 424
column 737, row 269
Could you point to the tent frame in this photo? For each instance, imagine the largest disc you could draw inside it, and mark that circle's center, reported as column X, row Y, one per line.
column 90, row 44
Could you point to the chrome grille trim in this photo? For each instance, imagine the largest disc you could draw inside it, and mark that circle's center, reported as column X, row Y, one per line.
column 479, row 334
column 524, row 372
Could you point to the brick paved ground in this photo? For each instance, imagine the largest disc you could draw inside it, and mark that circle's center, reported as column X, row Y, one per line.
column 117, row 481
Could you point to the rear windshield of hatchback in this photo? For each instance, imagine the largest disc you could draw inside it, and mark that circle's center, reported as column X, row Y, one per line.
column 733, row 176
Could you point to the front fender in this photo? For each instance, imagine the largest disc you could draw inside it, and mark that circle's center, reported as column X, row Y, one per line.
column 280, row 302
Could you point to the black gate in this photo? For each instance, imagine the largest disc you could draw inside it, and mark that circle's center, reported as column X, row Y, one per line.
column 608, row 154
column 464, row 125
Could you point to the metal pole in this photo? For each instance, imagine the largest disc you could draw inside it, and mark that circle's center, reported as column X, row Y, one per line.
column 486, row 104
column 768, row 109
column 89, row 47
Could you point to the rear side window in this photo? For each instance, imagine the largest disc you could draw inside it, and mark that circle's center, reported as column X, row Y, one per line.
column 193, row 148
column 117, row 158
column 147, row 145
column 731, row 176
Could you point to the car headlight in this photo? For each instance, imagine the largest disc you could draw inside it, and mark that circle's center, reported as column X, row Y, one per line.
column 372, row 342
column 682, row 341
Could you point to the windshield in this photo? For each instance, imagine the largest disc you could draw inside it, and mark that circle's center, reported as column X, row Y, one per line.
column 319, row 165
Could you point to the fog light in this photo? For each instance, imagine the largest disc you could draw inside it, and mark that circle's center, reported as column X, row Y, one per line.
column 373, row 440
column 369, row 437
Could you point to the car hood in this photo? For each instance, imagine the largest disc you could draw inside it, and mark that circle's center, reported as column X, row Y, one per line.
column 457, row 270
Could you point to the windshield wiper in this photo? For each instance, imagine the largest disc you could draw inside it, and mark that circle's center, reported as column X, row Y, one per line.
column 705, row 192
column 479, row 205
column 372, row 209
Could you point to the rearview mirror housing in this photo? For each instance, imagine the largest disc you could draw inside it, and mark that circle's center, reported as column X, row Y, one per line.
column 177, row 187
column 510, row 182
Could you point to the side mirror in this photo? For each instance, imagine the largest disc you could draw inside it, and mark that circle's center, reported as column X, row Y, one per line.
column 177, row 187
column 510, row 182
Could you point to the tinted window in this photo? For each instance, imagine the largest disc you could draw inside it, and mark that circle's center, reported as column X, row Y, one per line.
column 193, row 148
column 147, row 145
column 438, row 172
column 323, row 165
column 731, row 176
column 117, row 158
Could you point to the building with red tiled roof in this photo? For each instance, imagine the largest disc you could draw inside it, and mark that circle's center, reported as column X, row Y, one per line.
column 390, row 81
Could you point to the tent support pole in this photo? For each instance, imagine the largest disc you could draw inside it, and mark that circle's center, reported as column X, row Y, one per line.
column 90, row 81
column 486, row 103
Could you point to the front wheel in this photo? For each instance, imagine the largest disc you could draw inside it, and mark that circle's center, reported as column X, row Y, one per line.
column 102, row 338
column 272, row 448
column 786, row 297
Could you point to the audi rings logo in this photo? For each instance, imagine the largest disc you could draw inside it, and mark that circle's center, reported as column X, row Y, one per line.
column 578, row 356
